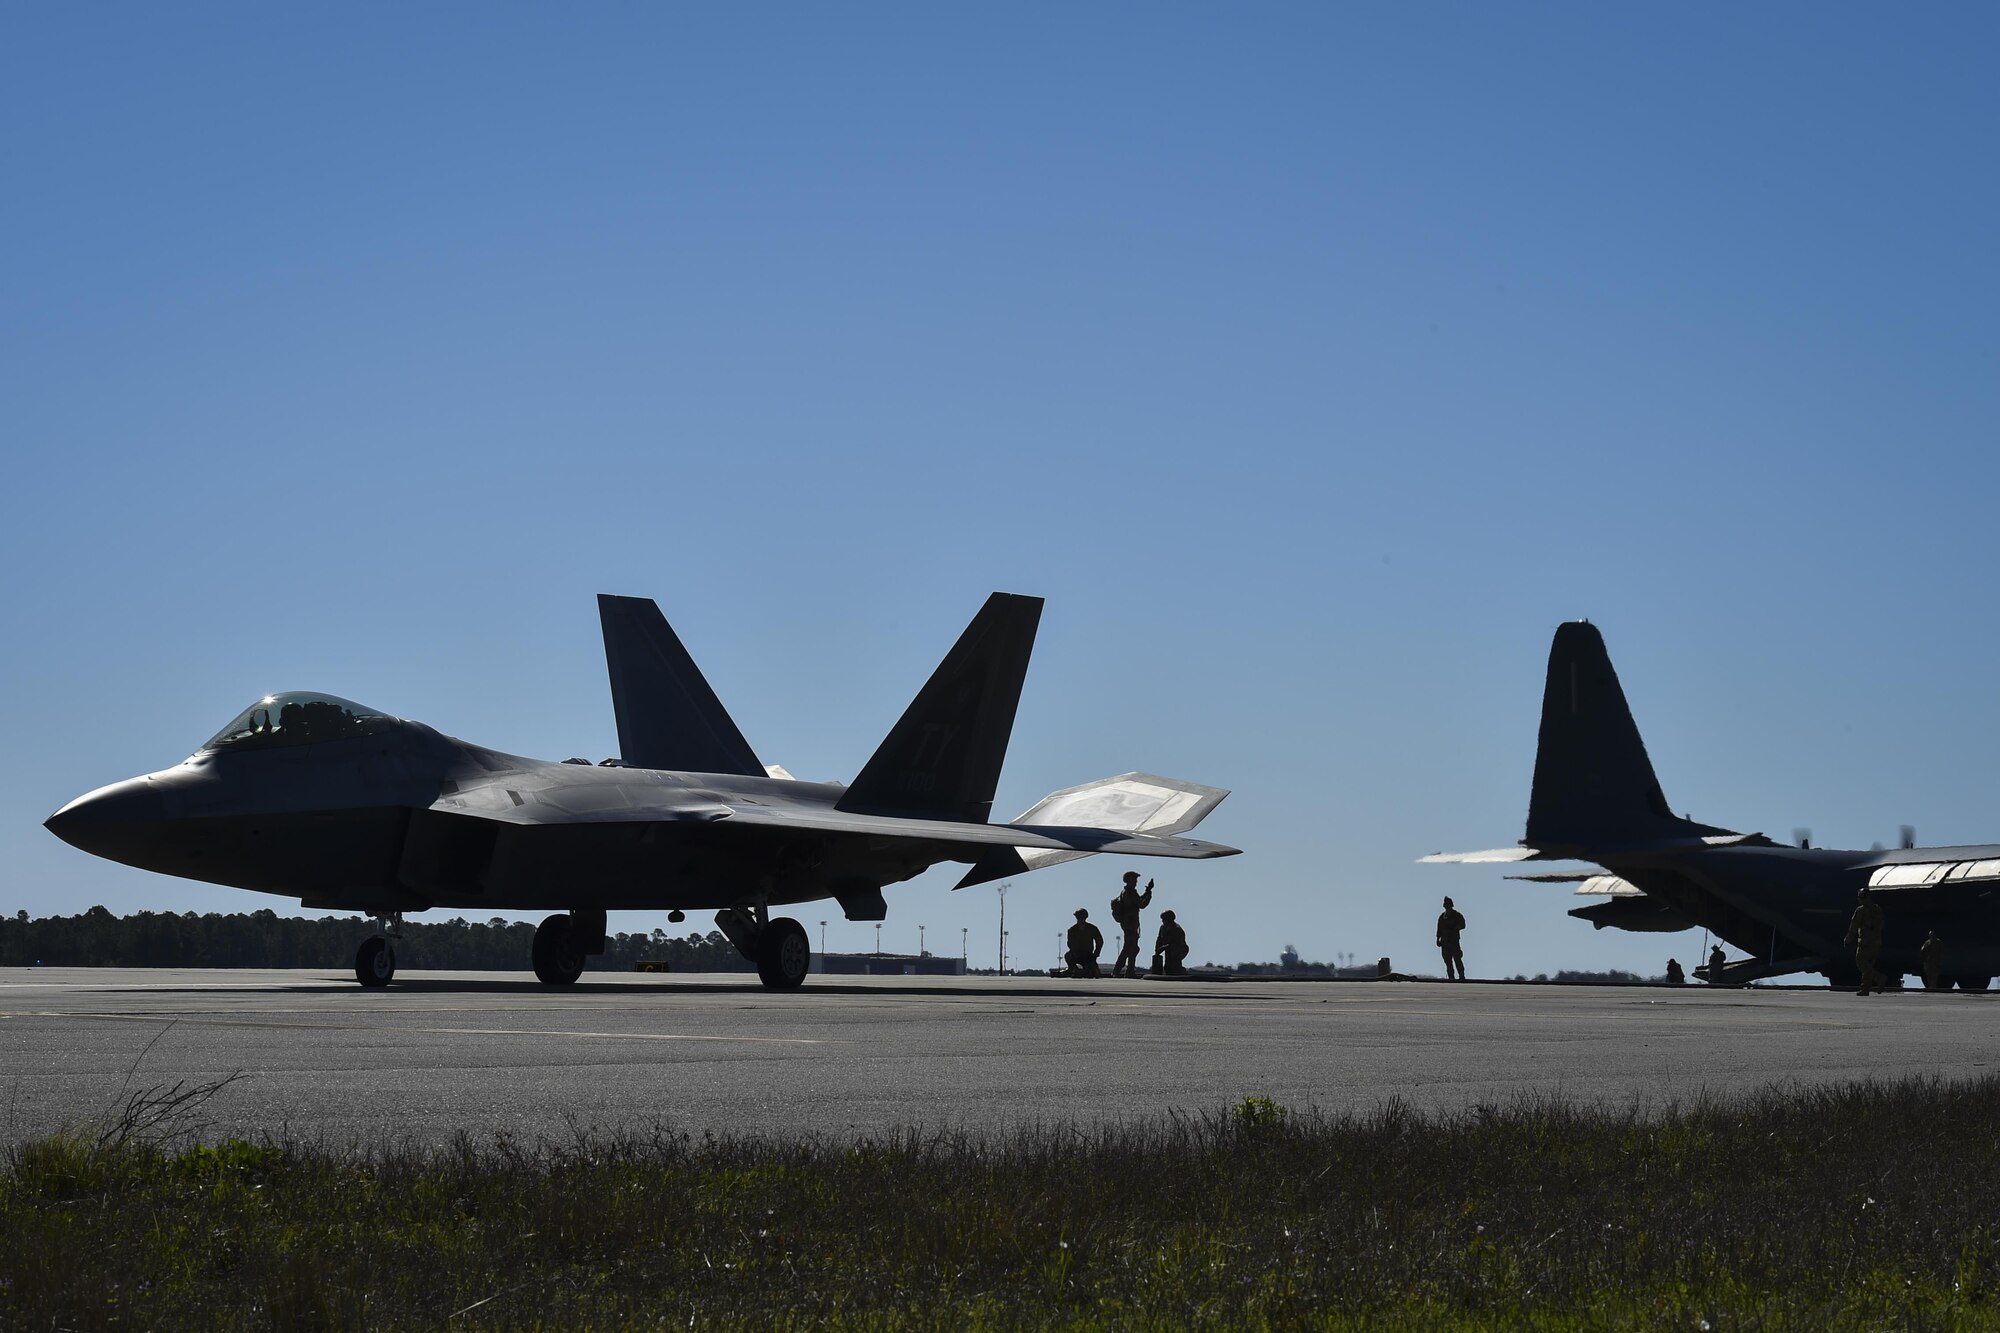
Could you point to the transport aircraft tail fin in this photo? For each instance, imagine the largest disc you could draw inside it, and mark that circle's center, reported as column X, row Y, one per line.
column 668, row 717
column 942, row 759
column 1594, row 784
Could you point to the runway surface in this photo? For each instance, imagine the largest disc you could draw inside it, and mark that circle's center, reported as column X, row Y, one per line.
column 497, row 1053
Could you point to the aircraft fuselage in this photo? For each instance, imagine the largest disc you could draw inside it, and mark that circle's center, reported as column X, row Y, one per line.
column 365, row 824
column 1779, row 903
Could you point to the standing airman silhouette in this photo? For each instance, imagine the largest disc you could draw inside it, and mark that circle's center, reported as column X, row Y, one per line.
column 1864, row 932
column 1125, row 910
column 1930, row 960
column 1450, row 924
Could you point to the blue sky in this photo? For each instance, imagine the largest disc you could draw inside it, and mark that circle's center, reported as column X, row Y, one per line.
column 1313, row 361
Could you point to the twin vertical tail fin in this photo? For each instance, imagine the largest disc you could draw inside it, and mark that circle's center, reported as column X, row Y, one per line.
column 1594, row 784
column 942, row 760
column 668, row 717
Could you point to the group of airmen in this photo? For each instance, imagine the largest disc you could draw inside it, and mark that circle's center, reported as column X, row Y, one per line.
column 1084, row 945
column 1864, row 936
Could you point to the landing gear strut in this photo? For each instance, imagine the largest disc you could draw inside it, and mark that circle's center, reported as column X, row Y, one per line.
column 375, row 960
column 780, row 948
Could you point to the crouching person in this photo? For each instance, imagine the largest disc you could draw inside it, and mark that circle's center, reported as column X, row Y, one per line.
column 1170, row 947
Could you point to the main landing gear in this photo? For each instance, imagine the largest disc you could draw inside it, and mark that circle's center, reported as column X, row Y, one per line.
column 562, row 942
column 781, row 949
column 375, row 960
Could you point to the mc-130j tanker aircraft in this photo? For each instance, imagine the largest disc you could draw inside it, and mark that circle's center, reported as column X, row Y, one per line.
column 348, row 808
column 1596, row 798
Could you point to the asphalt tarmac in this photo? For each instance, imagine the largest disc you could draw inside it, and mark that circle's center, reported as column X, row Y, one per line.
column 498, row 1054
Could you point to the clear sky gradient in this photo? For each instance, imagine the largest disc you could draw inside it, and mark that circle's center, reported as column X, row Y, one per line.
column 1313, row 361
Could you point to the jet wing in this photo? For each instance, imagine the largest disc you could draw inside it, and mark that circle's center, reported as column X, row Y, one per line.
column 1053, row 837
column 525, row 800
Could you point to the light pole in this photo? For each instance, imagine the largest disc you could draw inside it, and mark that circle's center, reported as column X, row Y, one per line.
column 920, row 941
column 1003, row 925
column 964, row 943
column 822, row 939
column 878, row 937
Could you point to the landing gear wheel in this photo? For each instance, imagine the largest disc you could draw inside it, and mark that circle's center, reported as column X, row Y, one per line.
column 374, row 963
column 784, row 955
column 1974, row 983
column 558, row 961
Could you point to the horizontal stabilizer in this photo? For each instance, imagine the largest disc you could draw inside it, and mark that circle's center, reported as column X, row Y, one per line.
column 1492, row 856
column 1597, row 851
column 1129, row 803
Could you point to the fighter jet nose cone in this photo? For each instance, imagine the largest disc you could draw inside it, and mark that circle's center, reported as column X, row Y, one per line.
column 107, row 815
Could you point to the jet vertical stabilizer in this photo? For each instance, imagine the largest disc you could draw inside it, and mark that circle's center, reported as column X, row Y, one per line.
column 942, row 759
column 668, row 717
column 1594, row 784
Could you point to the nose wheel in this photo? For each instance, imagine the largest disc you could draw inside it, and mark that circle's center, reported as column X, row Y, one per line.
column 374, row 962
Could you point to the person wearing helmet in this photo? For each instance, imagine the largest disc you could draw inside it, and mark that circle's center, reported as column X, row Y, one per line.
column 1085, row 945
column 1170, row 947
column 1125, row 909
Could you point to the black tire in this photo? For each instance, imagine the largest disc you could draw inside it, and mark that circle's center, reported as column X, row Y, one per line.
column 1974, row 983
column 558, row 961
column 784, row 955
column 374, row 962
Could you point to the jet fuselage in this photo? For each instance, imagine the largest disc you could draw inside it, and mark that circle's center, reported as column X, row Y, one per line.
column 350, row 824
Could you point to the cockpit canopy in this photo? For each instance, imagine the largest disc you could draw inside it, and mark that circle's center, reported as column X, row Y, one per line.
column 297, row 718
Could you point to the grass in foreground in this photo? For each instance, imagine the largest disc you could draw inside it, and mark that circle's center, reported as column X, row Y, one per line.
column 1866, row 1207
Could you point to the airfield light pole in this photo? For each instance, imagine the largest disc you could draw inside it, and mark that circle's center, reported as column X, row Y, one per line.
column 822, row 939
column 878, row 937
column 964, row 943
column 920, row 941
column 1003, row 926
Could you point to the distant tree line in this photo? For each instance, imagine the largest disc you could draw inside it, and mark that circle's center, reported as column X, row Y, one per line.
column 97, row 938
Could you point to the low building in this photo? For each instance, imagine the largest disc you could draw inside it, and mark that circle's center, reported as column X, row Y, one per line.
column 887, row 965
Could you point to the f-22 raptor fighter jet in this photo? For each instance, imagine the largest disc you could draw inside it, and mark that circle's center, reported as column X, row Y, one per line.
column 348, row 808
column 1596, row 798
